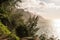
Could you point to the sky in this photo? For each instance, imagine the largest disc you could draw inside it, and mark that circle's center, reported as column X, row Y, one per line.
column 49, row 9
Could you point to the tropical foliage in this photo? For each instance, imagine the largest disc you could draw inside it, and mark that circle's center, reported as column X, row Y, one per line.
column 12, row 24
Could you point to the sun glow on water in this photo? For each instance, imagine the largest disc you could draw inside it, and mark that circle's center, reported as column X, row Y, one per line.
column 56, row 27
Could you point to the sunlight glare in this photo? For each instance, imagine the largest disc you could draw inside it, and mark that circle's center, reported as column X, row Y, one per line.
column 56, row 27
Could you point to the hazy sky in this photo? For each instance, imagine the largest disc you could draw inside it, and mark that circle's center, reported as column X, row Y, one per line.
column 49, row 9
column 54, row 11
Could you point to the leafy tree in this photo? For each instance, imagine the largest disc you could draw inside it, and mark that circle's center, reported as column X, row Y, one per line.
column 9, row 14
column 28, row 29
column 43, row 37
column 15, row 21
column 31, row 25
column 5, row 10
column 9, row 17
column 21, row 31
column 12, row 19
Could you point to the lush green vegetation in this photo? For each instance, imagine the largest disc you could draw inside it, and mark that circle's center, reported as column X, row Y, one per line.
column 12, row 26
column 5, row 33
